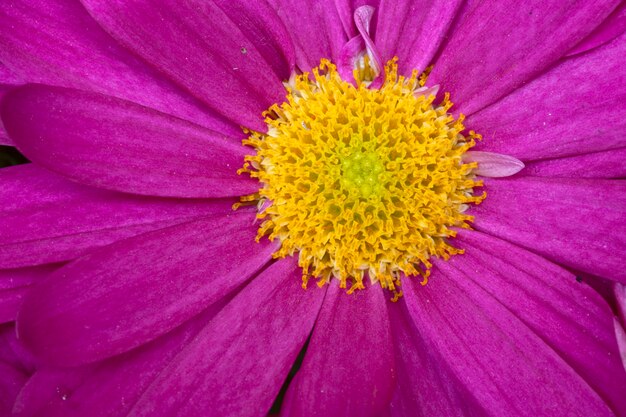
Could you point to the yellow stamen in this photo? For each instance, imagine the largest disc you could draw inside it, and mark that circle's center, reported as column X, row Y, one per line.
column 362, row 182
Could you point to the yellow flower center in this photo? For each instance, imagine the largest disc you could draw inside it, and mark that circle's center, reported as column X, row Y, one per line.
column 361, row 182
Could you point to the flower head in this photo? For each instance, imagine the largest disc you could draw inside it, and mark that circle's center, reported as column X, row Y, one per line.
column 362, row 181
column 140, row 291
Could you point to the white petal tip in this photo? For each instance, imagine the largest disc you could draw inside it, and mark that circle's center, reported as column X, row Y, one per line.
column 426, row 91
column 493, row 165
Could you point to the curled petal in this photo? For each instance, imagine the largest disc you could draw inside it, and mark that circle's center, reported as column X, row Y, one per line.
column 494, row 165
column 427, row 91
column 362, row 19
column 353, row 52
column 349, row 57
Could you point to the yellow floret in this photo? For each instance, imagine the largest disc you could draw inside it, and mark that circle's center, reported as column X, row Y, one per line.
column 361, row 182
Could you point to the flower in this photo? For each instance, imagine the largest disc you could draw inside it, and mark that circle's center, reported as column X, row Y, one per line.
column 145, row 293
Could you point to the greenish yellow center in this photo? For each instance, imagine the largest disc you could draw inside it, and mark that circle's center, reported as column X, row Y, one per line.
column 362, row 174
column 361, row 183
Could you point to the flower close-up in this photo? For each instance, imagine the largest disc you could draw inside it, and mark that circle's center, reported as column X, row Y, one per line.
column 312, row 208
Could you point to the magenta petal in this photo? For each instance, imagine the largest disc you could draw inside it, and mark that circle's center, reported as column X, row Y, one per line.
column 620, row 335
column 612, row 27
column 211, row 57
column 349, row 367
column 569, row 110
column 15, row 284
column 348, row 59
column 620, row 296
column 137, row 289
column 13, row 352
column 11, row 382
column 114, row 144
column 8, row 77
column 425, row 388
column 362, row 19
column 603, row 164
column 346, row 9
column 24, row 277
column 10, row 301
column 107, row 388
column 15, row 368
column 493, row 50
column 45, row 218
column 259, row 22
column 570, row 317
column 355, row 48
column 576, row 223
column 316, row 28
column 236, row 365
column 58, row 43
column 620, row 321
column 495, row 356
column 46, row 387
column 413, row 30
column 4, row 137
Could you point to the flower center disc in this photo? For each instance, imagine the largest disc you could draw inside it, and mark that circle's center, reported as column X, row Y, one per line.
column 361, row 182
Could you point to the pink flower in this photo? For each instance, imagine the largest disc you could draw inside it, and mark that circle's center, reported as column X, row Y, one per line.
column 140, row 292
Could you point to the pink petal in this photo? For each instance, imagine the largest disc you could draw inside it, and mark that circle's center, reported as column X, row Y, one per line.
column 114, row 144
column 499, row 46
column 349, row 57
column 15, row 368
column 575, row 108
column 259, row 22
column 619, row 291
column 15, row 284
column 612, row 27
column 13, row 352
column 603, row 164
column 46, row 218
column 132, row 291
column 569, row 316
column 362, row 19
column 110, row 387
column 316, row 29
column 493, row 164
column 47, row 387
column 349, row 368
column 11, row 382
column 620, row 335
column 214, row 59
column 8, row 77
column 576, row 223
column 24, row 277
column 346, row 8
column 4, row 136
column 498, row 337
column 359, row 45
column 425, row 388
column 58, row 43
column 237, row 364
column 413, row 30
column 10, row 301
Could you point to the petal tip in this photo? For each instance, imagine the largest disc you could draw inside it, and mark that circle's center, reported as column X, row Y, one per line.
column 494, row 165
